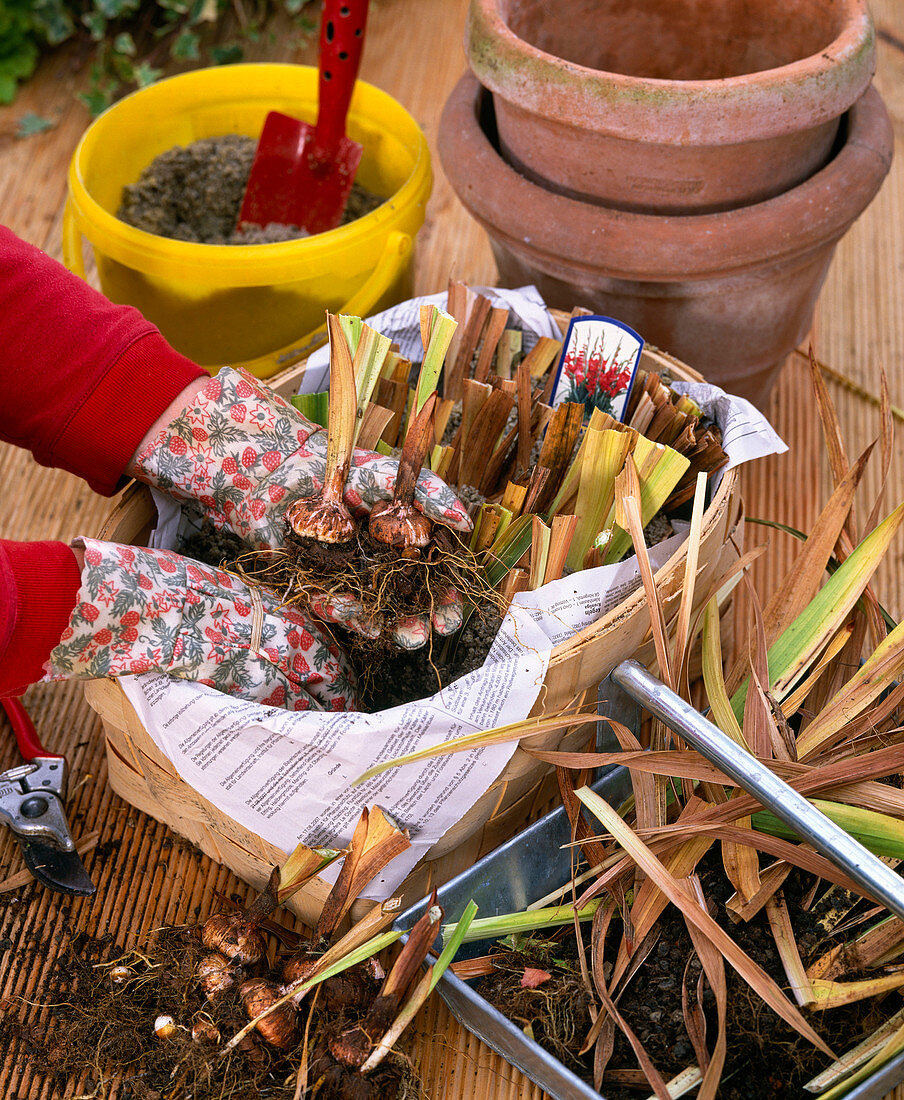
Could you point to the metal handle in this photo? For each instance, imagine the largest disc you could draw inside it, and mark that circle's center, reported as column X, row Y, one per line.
column 810, row 824
column 341, row 43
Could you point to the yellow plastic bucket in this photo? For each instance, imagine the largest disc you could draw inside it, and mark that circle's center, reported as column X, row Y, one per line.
column 259, row 306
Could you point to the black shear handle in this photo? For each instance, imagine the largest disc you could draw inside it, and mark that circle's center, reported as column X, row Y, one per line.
column 26, row 735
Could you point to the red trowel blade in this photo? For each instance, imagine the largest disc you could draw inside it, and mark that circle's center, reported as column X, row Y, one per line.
column 272, row 188
column 302, row 174
column 290, row 185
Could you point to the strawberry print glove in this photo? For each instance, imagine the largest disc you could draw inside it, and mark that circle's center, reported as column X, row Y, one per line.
column 152, row 610
column 246, row 455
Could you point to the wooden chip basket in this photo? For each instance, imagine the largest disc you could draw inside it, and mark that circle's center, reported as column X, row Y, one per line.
column 144, row 777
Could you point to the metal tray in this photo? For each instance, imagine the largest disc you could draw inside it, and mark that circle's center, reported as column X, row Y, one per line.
column 528, row 867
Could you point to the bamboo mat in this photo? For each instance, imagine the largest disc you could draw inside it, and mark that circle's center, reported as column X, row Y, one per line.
column 146, row 876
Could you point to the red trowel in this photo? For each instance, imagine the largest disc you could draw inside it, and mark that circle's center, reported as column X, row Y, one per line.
column 302, row 174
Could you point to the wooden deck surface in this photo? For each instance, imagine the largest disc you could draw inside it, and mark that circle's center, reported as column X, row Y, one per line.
column 145, row 879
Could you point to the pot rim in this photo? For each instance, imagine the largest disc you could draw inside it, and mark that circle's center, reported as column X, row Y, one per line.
column 821, row 87
column 662, row 247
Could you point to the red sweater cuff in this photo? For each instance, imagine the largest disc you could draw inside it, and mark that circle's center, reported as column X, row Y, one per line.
column 82, row 379
column 39, row 585
column 107, row 427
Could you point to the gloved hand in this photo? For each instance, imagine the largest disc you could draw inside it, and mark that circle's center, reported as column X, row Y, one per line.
column 246, row 455
column 143, row 610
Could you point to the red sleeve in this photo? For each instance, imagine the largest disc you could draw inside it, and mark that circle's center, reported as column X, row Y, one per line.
column 39, row 583
column 82, row 379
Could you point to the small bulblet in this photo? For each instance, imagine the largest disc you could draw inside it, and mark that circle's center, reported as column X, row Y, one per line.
column 298, row 968
column 205, row 1031
column 165, row 1027
column 216, row 975
column 352, row 1047
column 279, row 1029
column 401, row 525
column 353, row 989
column 234, row 937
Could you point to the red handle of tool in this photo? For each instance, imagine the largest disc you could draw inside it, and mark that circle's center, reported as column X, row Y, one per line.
column 341, row 44
column 26, row 735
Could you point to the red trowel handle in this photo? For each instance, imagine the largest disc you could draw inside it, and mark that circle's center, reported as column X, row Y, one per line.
column 341, row 43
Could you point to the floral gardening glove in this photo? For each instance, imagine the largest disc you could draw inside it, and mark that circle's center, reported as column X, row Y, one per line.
column 153, row 610
column 246, row 455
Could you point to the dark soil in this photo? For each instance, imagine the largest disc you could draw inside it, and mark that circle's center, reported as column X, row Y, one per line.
column 213, row 547
column 388, row 676
column 387, row 583
column 99, row 1022
column 557, row 1012
column 195, row 194
column 106, row 1028
column 765, row 1056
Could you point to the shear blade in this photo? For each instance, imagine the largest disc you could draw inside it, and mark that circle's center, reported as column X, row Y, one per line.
column 61, row 871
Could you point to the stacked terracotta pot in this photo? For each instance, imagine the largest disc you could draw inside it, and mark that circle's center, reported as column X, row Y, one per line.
column 686, row 166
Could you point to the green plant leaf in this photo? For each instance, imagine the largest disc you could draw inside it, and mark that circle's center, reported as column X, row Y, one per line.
column 96, row 24
column 145, row 74
column 203, row 11
column 831, row 565
column 882, row 834
column 789, row 655
column 315, row 406
column 122, row 67
column 18, row 64
column 452, row 942
column 185, row 47
column 30, row 123
column 97, row 100
column 227, row 55
column 116, row 9
column 124, row 43
column 526, row 920
column 53, row 19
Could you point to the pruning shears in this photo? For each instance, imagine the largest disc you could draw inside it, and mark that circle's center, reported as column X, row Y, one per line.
column 31, row 804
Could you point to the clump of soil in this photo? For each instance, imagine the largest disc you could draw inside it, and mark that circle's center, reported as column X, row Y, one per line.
column 214, row 547
column 101, row 1006
column 388, row 677
column 556, row 1012
column 105, row 1026
column 194, row 193
column 766, row 1057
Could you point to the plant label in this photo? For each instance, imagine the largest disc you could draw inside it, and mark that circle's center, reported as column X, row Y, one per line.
column 597, row 366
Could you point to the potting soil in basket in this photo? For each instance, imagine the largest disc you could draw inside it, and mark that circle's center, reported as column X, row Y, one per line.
column 287, row 776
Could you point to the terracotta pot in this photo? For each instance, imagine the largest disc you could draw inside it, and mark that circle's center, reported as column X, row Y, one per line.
column 669, row 106
column 730, row 294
